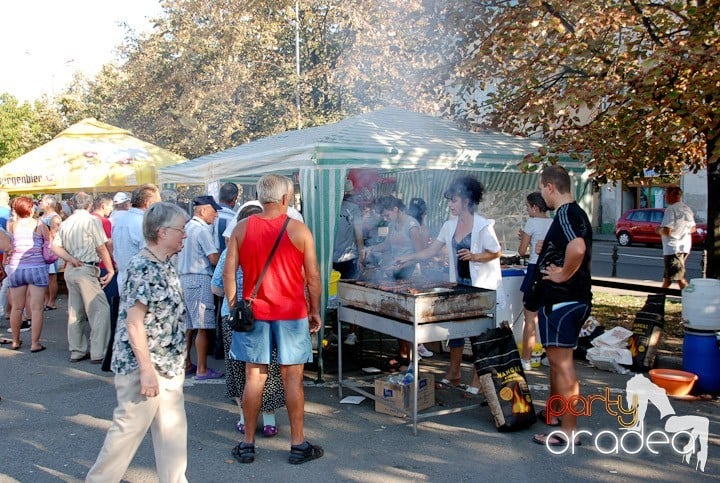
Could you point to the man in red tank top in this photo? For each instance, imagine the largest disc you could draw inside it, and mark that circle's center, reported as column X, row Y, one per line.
column 285, row 318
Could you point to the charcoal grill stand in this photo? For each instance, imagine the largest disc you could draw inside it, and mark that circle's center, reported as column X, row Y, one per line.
column 416, row 333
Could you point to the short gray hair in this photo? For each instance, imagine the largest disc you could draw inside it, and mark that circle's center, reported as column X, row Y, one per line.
column 272, row 187
column 169, row 195
column 160, row 215
column 50, row 200
column 82, row 200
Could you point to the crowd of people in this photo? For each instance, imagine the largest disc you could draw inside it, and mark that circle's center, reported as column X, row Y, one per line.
column 147, row 282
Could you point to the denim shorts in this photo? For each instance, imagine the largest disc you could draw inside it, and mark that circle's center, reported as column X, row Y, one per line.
column 560, row 324
column 529, row 277
column 290, row 337
column 20, row 277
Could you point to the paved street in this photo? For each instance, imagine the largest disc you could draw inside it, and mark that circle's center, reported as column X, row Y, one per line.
column 637, row 262
column 53, row 418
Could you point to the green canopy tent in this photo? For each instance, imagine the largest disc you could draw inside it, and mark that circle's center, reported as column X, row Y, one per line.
column 423, row 153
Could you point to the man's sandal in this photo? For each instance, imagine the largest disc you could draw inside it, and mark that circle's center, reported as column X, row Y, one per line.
column 304, row 452
column 542, row 416
column 244, row 452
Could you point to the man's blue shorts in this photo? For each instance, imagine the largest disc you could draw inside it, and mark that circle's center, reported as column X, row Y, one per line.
column 291, row 337
column 560, row 324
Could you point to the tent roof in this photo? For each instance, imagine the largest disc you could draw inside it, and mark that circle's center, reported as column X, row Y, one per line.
column 89, row 155
column 390, row 138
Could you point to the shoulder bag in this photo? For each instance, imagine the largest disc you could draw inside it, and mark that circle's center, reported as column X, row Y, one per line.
column 242, row 318
column 47, row 252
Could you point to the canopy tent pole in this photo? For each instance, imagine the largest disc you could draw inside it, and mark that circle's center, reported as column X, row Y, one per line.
column 322, row 191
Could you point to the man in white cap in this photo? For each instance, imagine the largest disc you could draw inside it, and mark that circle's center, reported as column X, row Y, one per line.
column 127, row 234
column 121, row 205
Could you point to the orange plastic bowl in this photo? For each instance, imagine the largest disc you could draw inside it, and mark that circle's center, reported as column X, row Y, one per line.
column 675, row 383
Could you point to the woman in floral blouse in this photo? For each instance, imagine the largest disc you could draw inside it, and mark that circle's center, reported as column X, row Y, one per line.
column 149, row 356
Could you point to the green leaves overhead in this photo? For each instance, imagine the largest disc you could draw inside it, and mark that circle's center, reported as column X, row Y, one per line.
column 628, row 85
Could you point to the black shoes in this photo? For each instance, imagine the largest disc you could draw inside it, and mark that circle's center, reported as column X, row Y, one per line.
column 305, row 452
column 301, row 453
column 244, row 452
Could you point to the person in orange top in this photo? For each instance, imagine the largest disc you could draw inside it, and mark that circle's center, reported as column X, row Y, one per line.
column 285, row 318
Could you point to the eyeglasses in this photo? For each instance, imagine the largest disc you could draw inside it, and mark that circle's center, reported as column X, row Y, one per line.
column 181, row 230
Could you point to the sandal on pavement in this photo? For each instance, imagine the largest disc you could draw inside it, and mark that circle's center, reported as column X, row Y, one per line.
column 244, row 452
column 471, row 391
column 554, row 440
column 189, row 371
column 302, row 453
column 39, row 349
column 542, row 415
column 240, row 427
column 269, row 430
column 210, row 374
column 16, row 347
column 449, row 382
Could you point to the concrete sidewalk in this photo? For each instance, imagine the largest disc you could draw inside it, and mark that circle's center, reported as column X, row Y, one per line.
column 54, row 415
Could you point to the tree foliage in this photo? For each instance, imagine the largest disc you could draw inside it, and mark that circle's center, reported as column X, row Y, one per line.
column 25, row 126
column 217, row 74
column 627, row 85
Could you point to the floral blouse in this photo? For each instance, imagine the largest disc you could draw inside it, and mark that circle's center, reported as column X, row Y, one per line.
column 157, row 285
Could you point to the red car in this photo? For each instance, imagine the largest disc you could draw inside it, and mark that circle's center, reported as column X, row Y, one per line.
column 640, row 226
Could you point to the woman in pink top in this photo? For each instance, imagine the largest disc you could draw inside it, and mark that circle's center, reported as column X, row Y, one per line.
column 26, row 271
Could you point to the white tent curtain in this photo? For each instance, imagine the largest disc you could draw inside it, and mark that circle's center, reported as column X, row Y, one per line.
column 322, row 193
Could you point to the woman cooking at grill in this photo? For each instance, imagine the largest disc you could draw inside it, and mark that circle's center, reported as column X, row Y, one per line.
column 474, row 256
column 403, row 240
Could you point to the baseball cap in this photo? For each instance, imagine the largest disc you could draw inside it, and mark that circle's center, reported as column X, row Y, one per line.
column 120, row 197
column 206, row 200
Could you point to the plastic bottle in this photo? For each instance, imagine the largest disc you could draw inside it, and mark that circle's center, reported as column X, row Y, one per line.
column 408, row 376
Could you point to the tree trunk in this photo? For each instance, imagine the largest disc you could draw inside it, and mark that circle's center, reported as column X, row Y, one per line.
column 713, row 212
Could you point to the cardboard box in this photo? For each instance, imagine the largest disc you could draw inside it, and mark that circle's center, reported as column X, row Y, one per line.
column 396, row 399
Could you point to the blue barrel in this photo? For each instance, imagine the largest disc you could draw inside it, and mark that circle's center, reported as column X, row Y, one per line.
column 701, row 356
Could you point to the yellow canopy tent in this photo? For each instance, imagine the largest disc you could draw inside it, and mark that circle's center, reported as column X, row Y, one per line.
column 89, row 156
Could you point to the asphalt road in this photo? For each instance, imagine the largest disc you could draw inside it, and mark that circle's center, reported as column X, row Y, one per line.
column 54, row 415
column 637, row 262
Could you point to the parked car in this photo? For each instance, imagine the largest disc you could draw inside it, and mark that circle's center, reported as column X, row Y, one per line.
column 641, row 225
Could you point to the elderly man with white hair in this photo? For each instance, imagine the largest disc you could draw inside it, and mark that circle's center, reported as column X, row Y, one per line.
column 286, row 314
column 80, row 241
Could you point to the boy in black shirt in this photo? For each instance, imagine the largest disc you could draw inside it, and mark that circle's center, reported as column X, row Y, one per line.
column 564, row 297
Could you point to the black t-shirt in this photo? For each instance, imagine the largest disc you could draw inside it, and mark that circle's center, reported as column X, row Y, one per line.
column 570, row 222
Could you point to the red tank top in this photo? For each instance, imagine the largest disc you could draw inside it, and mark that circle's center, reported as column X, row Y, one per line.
column 282, row 291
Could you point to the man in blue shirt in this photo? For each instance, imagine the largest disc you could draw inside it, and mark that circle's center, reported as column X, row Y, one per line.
column 127, row 234
column 196, row 262
column 228, row 197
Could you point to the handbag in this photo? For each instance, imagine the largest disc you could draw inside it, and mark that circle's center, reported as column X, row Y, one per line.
column 242, row 317
column 47, row 252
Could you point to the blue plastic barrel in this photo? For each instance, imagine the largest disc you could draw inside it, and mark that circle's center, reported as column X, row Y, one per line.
column 701, row 356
